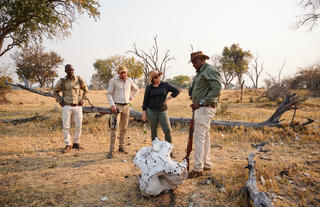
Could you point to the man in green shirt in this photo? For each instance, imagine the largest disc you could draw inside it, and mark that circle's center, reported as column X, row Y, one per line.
column 205, row 94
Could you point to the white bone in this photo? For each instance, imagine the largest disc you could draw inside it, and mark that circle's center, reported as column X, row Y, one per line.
column 159, row 172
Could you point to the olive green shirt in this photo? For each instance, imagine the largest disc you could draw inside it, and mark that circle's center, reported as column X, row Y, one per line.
column 71, row 90
column 206, row 86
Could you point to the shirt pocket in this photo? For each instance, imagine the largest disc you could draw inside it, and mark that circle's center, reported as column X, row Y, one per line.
column 76, row 86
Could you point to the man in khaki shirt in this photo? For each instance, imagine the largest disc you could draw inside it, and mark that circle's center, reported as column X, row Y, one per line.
column 71, row 102
column 121, row 91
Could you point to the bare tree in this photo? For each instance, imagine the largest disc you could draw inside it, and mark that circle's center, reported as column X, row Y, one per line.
column 151, row 60
column 276, row 88
column 312, row 15
column 255, row 71
column 227, row 75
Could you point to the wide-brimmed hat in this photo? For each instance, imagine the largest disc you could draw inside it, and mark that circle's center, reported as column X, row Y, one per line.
column 122, row 69
column 195, row 55
column 154, row 73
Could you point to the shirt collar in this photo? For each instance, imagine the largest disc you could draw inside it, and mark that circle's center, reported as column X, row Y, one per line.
column 201, row 68
column 74, row 77
column 158, row 85
column 118, row 78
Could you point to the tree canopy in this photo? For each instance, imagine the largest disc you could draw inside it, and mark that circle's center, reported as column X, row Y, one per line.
column 180, row 81
column 25, row 21
column 107, row 68
column 236, row 59
column 36, row 65
column 227, row 73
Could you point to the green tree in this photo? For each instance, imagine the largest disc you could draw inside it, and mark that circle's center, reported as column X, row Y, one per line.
column 135, row 68
column 25, row 21
column 4, row 89
column 181, row 81
column 36, row 65
column 237, row 60
column 107, row 68
column 227, row 74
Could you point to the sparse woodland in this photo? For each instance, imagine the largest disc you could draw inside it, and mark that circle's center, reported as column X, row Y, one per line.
column 35, row 173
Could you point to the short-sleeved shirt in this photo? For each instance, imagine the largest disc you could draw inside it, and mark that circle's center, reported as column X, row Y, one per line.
column 71, row 90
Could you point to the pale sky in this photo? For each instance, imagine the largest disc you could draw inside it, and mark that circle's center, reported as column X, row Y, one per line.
column 263, row 26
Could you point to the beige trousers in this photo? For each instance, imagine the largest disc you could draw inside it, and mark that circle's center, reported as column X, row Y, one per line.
column 67, row 113
column 201, row 137
column 122, row 124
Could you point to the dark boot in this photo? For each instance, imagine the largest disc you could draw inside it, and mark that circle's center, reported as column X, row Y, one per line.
column 195, row 174
column 121, row 149
column 76, row 146
column 66, row 149
column 110, row 155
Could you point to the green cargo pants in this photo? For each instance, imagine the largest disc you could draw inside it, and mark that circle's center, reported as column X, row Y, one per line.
column 162, row 117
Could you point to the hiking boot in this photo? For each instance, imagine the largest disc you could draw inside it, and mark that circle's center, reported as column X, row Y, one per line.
column 66, row 149
column 76, row 146
column 121, row 149
column 110, row 155
column 195, row 174
column 206, row 169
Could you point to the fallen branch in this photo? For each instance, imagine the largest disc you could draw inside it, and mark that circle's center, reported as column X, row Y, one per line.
column 30, row 89
column 289, row 103
column 259, row 198
column 16, row 121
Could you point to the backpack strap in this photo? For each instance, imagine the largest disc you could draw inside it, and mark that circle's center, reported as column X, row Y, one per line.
column 63, row 84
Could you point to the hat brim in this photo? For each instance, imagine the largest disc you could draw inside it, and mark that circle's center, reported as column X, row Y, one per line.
column 205, row 57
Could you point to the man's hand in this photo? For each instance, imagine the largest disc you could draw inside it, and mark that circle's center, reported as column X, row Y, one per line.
column 195, row 106
column 62, row 103
column 144, row 116
column 80, row 103
column 114, row 109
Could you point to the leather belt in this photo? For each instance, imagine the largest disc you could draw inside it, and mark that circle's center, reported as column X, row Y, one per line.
column 71, row 104
column 123, row 104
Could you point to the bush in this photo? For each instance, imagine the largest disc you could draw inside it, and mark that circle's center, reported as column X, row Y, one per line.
column 306, row 78
column 4, row 89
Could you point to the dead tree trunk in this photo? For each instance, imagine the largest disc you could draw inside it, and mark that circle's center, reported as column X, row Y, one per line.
column 290, row 102
column 16, row 121
column 260, row 199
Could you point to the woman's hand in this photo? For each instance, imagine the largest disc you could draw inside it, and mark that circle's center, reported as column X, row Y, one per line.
column 168, row 98
column 144, row 116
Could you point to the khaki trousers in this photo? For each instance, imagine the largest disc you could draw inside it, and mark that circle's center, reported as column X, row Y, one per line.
column 122, row 124
column 201, row 134
column 67, row 113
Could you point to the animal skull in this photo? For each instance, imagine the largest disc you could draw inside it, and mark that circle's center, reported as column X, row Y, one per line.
column 159, row 172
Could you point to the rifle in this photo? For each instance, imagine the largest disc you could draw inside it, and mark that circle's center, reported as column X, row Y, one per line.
column 190, row 140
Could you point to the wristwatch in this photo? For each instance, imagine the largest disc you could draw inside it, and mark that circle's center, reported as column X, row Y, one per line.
column 200, row 103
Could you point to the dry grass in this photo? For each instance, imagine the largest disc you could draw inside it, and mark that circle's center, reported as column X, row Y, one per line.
column 33, row 172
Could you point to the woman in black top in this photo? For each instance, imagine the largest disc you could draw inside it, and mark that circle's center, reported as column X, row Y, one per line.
column 155, row 105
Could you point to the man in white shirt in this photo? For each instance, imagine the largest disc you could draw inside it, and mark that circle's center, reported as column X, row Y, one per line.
column 121, row 91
